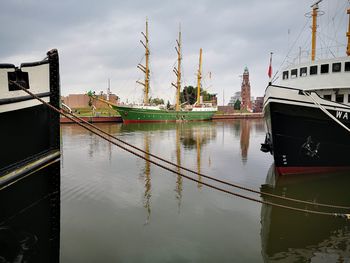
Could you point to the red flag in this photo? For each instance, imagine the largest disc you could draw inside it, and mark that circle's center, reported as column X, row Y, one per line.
column 270, row 67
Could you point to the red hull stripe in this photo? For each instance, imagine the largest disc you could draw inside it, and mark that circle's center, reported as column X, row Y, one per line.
column 311, row 169
column 139, row 121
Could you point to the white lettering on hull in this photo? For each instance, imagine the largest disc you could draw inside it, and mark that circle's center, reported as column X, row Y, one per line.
column 342, row 115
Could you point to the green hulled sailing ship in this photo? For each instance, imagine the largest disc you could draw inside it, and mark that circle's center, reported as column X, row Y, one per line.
column 150, row 113
column 145, row 114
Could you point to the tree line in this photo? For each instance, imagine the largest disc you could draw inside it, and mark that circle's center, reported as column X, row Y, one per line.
column 187, row 96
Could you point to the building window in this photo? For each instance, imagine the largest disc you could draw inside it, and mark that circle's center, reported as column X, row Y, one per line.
column 347, row 67
column 348, row 98
column 303, row 72
column 324, row 68
column 294, row 73
column 285, row 74
column 339, row 98
column 313, row 70
column 336, row 67
column 327, row 97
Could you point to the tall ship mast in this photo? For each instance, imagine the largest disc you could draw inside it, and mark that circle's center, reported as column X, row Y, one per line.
column 159, row 113
column 177, row 72
column 199, row 78
column 145, row 69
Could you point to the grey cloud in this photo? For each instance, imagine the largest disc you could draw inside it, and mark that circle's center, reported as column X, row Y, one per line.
column 100, row 40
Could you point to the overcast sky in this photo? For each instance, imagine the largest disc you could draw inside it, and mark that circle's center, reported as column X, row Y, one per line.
column 98, row 40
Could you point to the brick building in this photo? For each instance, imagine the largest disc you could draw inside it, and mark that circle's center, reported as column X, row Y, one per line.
column 75, row 101
column 226, row 109
column 258, row 104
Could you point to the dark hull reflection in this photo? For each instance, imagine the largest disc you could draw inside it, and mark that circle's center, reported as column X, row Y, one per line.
column 298, row 237
column 30, row 218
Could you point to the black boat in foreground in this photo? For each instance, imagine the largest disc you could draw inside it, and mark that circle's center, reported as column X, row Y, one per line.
column 308, row 115
column 30, row 162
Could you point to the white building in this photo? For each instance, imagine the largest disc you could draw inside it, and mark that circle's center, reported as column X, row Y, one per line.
column 234, row 98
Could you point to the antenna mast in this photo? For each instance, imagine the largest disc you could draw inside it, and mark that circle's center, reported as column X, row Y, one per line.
column 199, row 77
column 109, row 88
column 314, row 28
column 348, row 34
column 145, row 69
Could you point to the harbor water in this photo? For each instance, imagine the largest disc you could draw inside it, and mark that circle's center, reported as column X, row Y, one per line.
column 116, row 207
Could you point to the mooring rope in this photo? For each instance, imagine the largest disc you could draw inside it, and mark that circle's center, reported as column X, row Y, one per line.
column 314, row 101
column 209, row 177
column 308, row 94
column 342, row 215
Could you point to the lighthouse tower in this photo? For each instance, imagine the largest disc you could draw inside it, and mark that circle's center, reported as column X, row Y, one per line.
column 246, row 103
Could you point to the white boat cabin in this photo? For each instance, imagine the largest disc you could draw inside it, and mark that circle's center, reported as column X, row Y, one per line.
column 330, row 78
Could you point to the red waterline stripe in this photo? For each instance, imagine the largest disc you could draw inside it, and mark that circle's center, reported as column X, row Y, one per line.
column 310, row 169
column 142, row 121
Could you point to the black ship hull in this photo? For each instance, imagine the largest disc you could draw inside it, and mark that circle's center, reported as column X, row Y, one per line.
column 302, row 137
column 30, row 162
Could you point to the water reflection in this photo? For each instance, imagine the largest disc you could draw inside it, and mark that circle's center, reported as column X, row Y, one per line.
column 192, row 133
column 93, row 142
column 147, row 179
column 147, row 127
column 292, row 236
column 198, row 140
column 30, row 218
column 191, row 136
column 126, row 209
column 245, row 135
column 242, row 130
column 179, row 179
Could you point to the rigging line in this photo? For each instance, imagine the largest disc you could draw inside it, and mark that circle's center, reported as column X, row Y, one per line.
column 307, row 94
column 130, row 78
column 337, row 11
column 341, row 215
column 184, row 168
column 340, row 20
column 347, row 216
column 306, row 45
column 166, row 161
column 290, row 49
column 326, row 46
column 143, row 56
column 335, row 29
column 336, row 42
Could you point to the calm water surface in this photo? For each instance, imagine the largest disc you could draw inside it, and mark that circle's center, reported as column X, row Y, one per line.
column 116, row 207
